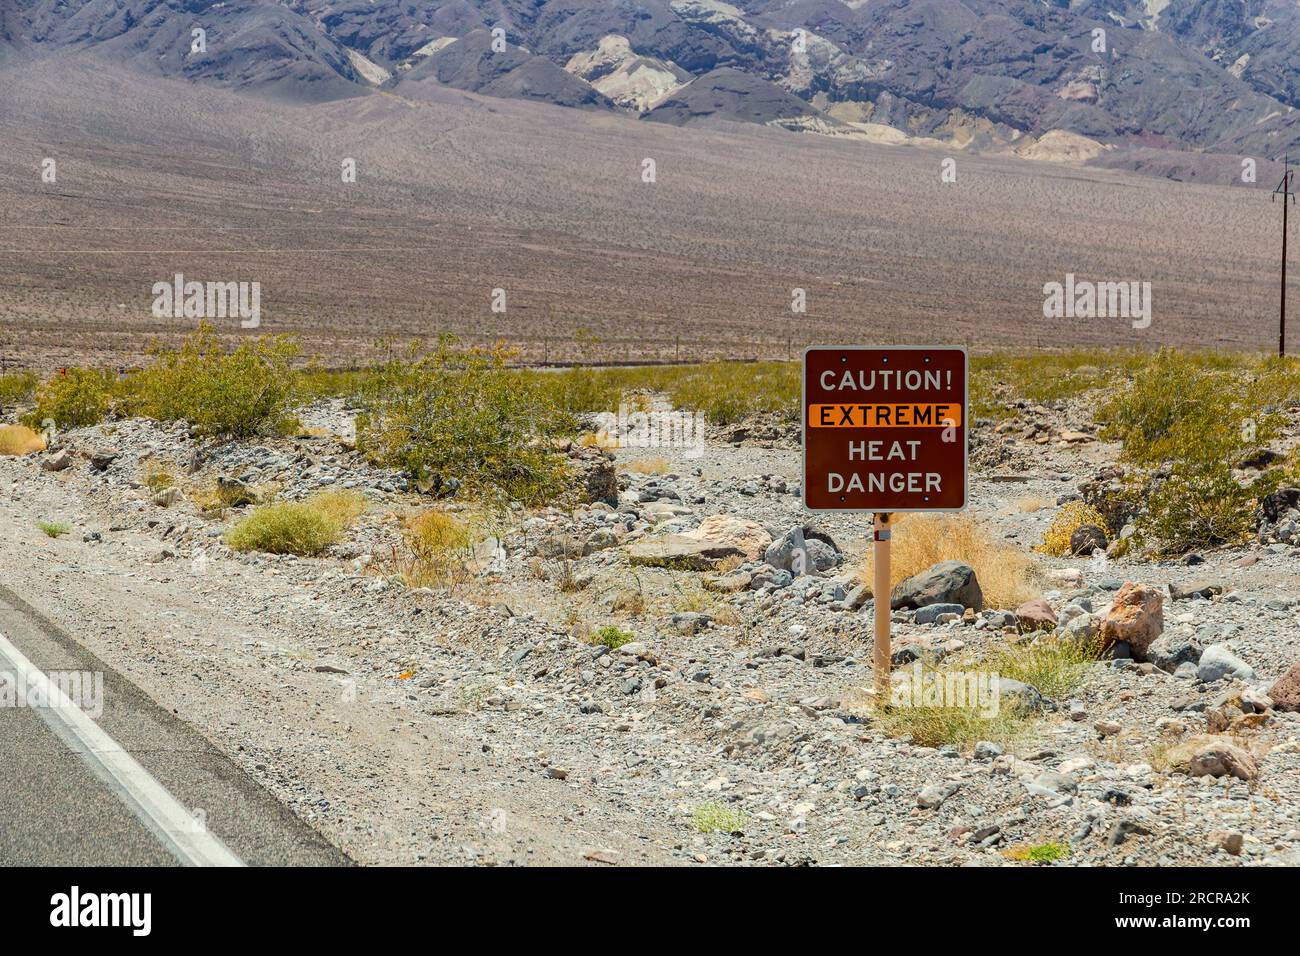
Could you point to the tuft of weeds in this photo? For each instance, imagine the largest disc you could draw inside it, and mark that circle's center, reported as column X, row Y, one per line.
column 20, row 440
column 299, row 527
column 54, row 529
column 1005, row 574
column 648, row 466
column 715, row 817
column 1072, row 516
column 158, row 476
column 1055, row 666
column 1038, row 852
column 612, row 637
column 629, row 601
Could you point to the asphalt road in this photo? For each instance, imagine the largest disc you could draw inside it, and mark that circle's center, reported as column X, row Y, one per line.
column 133, row 786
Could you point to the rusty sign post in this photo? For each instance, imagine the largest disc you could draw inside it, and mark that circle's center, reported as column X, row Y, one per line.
column 884, row 431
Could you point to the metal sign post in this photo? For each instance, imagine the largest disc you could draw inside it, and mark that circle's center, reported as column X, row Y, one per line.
column 883, row 655
column 884, row 431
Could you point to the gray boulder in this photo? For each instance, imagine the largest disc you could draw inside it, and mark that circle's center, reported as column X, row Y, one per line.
column 1168, row 651
column 948, row 582
column 930, row 613
column 1218, row 662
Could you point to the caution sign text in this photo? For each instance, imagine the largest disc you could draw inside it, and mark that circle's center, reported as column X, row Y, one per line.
column 884, row 429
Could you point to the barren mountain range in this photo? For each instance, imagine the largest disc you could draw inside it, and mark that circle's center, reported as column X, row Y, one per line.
column 518, row 164
column 1196, row 75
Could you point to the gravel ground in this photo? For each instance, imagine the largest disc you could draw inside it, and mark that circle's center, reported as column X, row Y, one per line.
column 482, row 725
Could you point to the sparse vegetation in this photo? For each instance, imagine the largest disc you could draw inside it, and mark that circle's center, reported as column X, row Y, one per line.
column 74, row 399
column 19, row 440
column 715, row 817
column 1005, row 574
column 54, row 528
column 297, row 527
column 648, row 466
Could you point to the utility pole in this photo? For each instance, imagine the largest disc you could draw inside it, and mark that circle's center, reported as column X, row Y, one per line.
column 1285, row 190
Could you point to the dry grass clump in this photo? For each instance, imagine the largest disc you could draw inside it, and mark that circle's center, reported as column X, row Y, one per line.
column 20, row 440
column 1054, row 666
column 1074, row 515
column 648, row 466
column 1032, row 503
column 1006, row 575
column 297, row 527
column 436, row 547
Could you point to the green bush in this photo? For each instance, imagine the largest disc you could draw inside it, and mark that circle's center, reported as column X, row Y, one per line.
column 76, row 398
column 461, row 414
column 243, row 393
column 612, row 637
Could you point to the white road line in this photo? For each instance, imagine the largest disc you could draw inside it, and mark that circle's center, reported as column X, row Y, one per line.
column 148, row 799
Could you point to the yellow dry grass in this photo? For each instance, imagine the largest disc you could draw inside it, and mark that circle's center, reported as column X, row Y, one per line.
column 1006, row 575
column 19, row 440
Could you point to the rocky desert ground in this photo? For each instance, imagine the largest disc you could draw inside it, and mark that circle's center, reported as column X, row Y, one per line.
column 646, row 678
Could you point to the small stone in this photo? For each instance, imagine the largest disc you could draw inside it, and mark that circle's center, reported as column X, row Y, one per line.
column 1217, row 662
column 1230, row 841
column 932, row 796
column 1107, row 728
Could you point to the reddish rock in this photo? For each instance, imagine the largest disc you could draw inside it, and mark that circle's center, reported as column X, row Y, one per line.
column 1035, row 615
column 1285, row 692
column 1137, row 617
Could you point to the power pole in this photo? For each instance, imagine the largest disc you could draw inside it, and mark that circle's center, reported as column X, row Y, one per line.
column 1285, row 190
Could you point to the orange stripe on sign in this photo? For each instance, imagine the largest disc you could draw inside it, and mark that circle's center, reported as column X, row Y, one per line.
column 946, row 415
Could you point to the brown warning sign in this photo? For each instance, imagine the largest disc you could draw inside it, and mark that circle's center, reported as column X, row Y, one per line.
column 884, row 429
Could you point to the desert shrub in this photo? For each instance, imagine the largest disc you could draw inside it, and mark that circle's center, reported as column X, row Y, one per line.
column 715, row 817
column 612, row 637
column 158, row 476
column 435, row 545
column 19, row 440
column 1195, row 416
column 648, row 466
column 53, row 529
column 459, row 419
column 1005, row 574
column 74, row 399
column 296, row 527
column 1200, row 505
column 1072, row 516
column 16, row 387
column 242, row 393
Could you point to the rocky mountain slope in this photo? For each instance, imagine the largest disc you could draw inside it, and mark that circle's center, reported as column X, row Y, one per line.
column 1185, row 75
